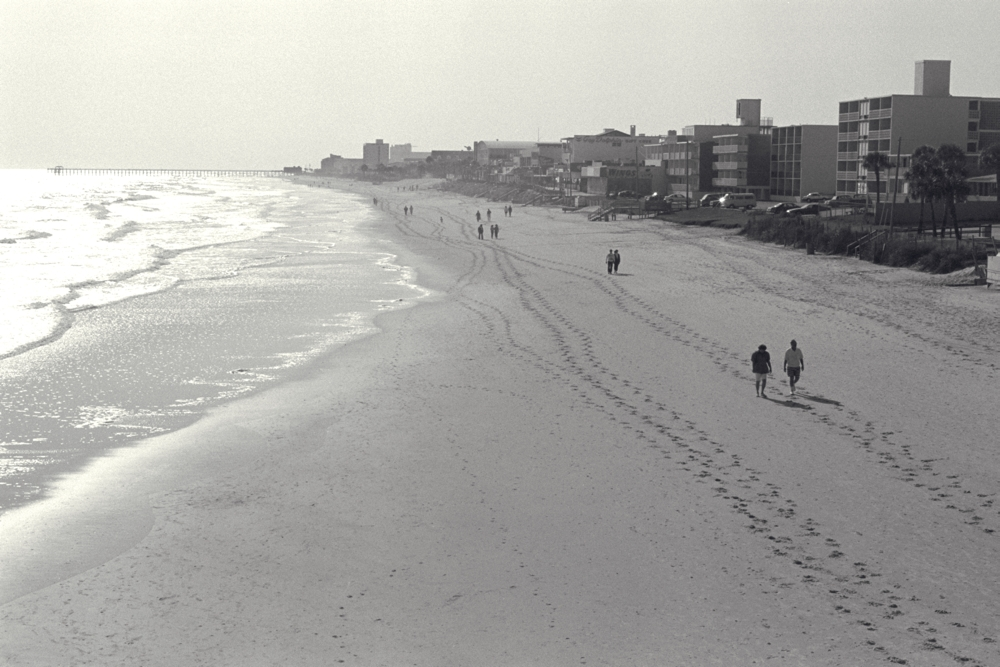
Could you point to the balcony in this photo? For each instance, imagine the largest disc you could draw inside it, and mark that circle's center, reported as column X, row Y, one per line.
column 732, row 148
column 847, row 117
column 730, row 166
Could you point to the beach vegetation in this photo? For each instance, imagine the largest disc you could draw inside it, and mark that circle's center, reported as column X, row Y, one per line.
column 913, row 251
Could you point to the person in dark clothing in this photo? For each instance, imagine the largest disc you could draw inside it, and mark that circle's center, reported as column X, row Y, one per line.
column 761, row 361
column 610, row 259
column 618, row 260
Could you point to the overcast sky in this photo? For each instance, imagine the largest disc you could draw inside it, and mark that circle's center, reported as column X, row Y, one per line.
column 228, row 84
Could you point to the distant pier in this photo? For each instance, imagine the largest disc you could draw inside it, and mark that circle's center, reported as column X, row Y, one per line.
column 73, row 171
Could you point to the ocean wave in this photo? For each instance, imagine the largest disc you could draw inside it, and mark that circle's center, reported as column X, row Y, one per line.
column 99, row 211
column 121, row 232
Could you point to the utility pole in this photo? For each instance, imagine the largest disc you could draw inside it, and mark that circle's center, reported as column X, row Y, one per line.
column 895, row 185
column 687, row 174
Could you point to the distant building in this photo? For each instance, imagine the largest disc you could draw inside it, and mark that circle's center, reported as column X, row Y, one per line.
column 402, row 153
column 901, row 123
column 339, row 166
column 601, row 179
column 375, row 154
column 513, row 160
column 292, row 170
column 695, row 164
column 803, row 160
column 610, row 146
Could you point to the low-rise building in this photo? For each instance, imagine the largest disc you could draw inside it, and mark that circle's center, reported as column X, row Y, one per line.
column 336, row 165
column 610, row 146
column 601, row 179
column 512, row 160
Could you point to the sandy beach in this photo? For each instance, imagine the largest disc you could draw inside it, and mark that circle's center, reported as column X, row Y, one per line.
column 543, row 464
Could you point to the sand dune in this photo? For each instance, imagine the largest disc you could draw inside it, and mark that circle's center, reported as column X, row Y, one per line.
column 548, row 465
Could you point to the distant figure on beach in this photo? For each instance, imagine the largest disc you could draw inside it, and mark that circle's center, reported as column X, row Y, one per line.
column 478, row 217
column 496, row 231
column 610, row 259
column 618, row 260
column 761, row 361
column 480, row 230
column 375, row 200
column 795, row 363
column 489, row 215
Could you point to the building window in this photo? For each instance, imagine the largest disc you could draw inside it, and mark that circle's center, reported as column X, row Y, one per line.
column 886, row 103
column 875, row 104
column 973, row 105
column 973, row 127
column 844, row 107
column 852, row 107
column 885, row 145
column 971, row 147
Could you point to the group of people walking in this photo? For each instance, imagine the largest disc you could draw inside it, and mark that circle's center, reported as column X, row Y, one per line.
column 613, row 259
column 494, row 231
column 793, row 366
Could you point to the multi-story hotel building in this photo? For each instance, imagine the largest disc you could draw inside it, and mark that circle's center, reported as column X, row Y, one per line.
column 901, row 123
column 803, row 160
column 375, row 154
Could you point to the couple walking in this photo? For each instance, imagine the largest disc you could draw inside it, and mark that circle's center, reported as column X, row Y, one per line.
column 613, row 259
column 794, row 364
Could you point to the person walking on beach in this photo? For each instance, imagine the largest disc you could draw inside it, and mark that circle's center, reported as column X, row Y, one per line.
column 496, row 231
column 761, row 361
column 480, row 230
column 478, row 217
column 795, row 363
column 610, row 259
column 489, row 215
column 618, row 260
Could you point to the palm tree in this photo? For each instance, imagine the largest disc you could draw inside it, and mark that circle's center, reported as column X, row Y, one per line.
column 954, row 187
column 989, row 159
column 877, row 162
column 917, row 178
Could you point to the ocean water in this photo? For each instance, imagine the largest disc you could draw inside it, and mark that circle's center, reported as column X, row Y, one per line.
column 131, row 304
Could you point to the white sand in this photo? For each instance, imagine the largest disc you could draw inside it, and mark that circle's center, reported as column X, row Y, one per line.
column 547, row 465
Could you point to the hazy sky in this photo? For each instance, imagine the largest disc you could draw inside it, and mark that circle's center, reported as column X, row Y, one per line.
column 182, row 83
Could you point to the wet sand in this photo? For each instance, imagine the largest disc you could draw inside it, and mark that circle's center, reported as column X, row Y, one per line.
column 548, row 465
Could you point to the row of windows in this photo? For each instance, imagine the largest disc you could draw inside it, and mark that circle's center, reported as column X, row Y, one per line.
column 786, row 152
column 787, row 171
column 786, row 135
column 864, row 107
column 864, row 147
column 786, row 187
column 847, row 165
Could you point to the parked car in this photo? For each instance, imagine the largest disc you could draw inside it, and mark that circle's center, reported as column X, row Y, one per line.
column 655, row 197
column 815, row 198
column 711, row 199
column 677, row 197
column 745, row 200
column 782, row 207
column 846, row 200
column 808, row 209
column 628, row 194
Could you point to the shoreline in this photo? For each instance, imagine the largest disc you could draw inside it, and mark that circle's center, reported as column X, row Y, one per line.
column 548, row 464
